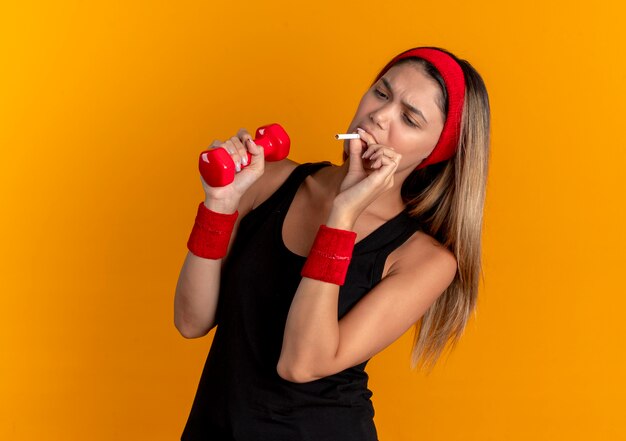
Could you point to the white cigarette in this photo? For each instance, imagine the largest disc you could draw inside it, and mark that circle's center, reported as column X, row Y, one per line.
column 347, row 136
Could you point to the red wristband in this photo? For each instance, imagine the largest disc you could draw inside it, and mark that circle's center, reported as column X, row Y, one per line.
column 211, row 233
column 330, row 255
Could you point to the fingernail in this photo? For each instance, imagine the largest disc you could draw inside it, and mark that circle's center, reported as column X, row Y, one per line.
column 251, row 141
column 244, row 160
column 237, row 166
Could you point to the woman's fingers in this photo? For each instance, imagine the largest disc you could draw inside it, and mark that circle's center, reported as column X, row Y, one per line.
column 373, row 149
column 355, row 150
column 369, row 139
column 238, row 147
column 244, row 135
column 255, row 150
column 389, row 153
column 234, row 154
column 379, row 152
column 232, row 150
column 247, row 141
column 241, row 150
column 385, row 166
column 237, row 151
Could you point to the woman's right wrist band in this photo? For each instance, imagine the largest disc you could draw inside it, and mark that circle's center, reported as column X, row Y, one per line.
column 211, row 233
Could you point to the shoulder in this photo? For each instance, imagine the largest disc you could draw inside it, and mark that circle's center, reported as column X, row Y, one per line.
column 423, row 256
column 274, row 175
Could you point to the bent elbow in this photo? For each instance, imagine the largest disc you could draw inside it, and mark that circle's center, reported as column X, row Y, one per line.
column 292, row 375
column 190, row 332
column 187, row 335
column 183, row 331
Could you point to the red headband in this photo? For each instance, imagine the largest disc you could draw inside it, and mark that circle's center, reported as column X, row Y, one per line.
column 455, row 85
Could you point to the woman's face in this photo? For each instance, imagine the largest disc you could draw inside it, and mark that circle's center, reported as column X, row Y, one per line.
column 385, row 113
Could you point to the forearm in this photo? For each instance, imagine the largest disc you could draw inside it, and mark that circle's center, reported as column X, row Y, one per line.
column 311, row 334
column 312, row 330
column 197, row 289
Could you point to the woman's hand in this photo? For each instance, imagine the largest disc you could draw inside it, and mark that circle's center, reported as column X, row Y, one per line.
column 227, row 198
column 370, row 174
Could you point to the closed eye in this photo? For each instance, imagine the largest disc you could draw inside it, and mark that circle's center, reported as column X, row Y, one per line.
column 409, row 121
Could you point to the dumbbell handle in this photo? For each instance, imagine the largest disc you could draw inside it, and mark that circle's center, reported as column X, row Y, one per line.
column 218, row 168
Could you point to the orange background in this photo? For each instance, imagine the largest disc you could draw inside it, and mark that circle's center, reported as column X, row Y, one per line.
column 105, row 107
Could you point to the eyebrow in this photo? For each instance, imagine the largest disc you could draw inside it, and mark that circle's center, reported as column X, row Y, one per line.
column 408, row 106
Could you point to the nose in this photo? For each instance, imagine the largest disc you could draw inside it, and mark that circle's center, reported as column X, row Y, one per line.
column 380, row 117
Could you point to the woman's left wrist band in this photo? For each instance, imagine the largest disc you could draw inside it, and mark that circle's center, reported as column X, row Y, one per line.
column 330, row 255
column 211, row 233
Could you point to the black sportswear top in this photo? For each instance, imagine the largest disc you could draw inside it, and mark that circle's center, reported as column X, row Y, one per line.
column 240, row 395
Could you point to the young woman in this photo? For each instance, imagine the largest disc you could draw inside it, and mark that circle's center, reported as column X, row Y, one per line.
column 309, row 270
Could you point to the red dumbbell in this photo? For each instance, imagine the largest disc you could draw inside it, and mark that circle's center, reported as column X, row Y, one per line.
column 218, row 168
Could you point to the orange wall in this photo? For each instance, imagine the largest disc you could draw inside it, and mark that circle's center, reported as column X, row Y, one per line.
column 105, row 106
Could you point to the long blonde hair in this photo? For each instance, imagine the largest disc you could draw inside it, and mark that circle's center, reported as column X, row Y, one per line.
column 448, row 198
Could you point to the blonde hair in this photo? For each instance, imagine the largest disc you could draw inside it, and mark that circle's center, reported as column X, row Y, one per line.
column 448, row 198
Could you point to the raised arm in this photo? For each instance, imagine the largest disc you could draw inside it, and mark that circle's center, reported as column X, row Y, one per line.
column 197, row 289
